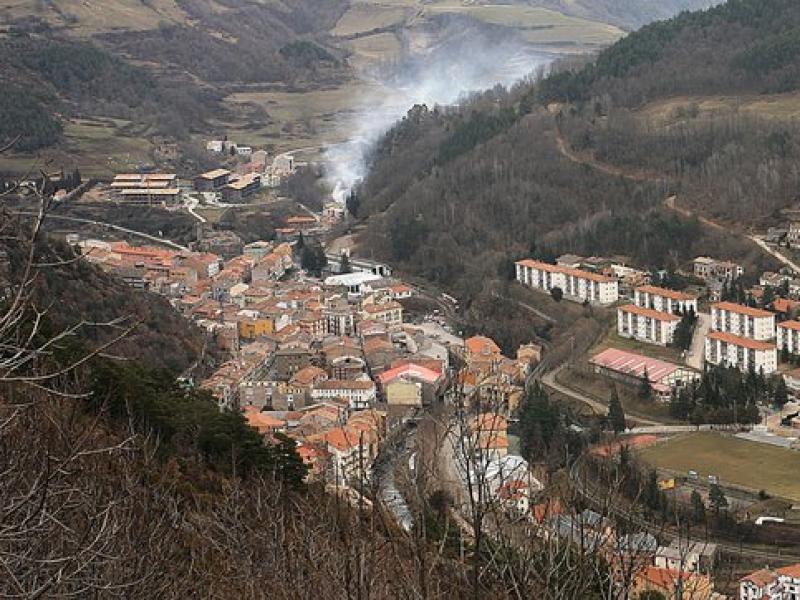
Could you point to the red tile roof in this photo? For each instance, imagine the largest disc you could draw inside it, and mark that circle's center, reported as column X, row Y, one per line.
column 410, row 370
column 790, row 325
column 737, row 340
column 665, row 292
column 482, row 345
column 649, row 312
column 742, row 310
column 541, row 266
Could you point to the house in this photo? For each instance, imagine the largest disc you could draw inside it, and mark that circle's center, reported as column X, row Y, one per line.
column 631, row 368
column 646, row 324
column 212, row 181
column 793, row 235
column 390, row 313
column 687, row 555
column 744, row 321
column 668, row 582
column 410, row 385
column 789, row 337
column 665, row 300
column 168, row 196
column 771, row 584
column 576, row 285
column 242, row 188
column 360, row 394
column 489, row 436
column 709, row 268
column 741, row 352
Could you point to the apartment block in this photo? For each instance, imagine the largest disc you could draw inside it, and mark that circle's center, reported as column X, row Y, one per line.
column 646, row 325
column 664, row 300
column 576, row 284
column 743, row 321
column 723, row 348
column 789, row 336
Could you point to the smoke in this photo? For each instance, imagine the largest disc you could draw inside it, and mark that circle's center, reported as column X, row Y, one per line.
column 442, row 76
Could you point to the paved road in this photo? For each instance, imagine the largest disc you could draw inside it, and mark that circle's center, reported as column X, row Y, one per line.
column 775, row 253
column 141, row 234
column 698, row 348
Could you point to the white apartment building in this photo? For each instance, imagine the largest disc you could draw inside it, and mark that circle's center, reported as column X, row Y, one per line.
column 768, row 584
column 724, row 348
column 577, row 285
column 789, row 336
column 646, row 325
column 664, row 300
column 743, row 321
column 359, row 393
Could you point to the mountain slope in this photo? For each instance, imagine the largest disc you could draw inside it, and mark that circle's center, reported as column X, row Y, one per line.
column 628, row 14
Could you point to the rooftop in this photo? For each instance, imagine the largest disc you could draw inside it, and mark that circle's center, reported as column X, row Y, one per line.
column 634, row 364
column 737, row 340
column 649, row 312
column 742, row 309
column 542, row 266
column 215, row 174
column 665, row 292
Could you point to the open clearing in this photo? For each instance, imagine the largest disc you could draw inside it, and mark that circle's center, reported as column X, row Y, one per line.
column 98, row 147
column 667, row 113
column 739, row 462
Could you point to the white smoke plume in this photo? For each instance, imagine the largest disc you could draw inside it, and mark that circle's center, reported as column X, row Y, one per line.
column 439, row 77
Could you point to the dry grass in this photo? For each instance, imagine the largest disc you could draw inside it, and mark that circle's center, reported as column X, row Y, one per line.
column 98, row 147
column 739, row 462
column 667, row 113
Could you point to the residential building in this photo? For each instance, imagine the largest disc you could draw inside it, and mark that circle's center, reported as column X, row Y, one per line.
column 771, row 584
column 212, row 180
column 789, row 337
column 793, row 236
column 339, row 317
column 631, row 368
column 360, row 394
column 646, row 324
column 390, row 313
column 410, row 385
column 664, row 300
column 710, row 268
column 242, row 188
column 743, row 353
column 671, row 583
column 744, row 321
column 687, row 555
column 576, row 285
column 489, row 433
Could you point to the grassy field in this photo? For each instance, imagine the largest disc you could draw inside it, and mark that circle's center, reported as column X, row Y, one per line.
column 98, row 147
column 739, row 462
column 599, row 388
column 670, row 112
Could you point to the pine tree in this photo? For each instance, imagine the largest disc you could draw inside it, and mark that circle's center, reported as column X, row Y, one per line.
column 781, row 394
column 616, row 416
column 717, row 499
column 645, row 389
column 698, row 507
column 345, row 264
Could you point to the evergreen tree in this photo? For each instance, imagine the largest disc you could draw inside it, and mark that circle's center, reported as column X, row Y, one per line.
column 353, row 203
column 781, row 394
column 717, row 499
column 645, row 392
column 345, row 264
column 616, row 416
column 698, row 507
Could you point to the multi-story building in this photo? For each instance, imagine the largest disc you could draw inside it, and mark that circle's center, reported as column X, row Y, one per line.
column 710, row 268
column 664, row 300
column 212, row 180
column 390, row 313
column 743, row 321
column 744, row 353
column 771, row 584
column 359, row 393
column 577, row 285
column 339, row 317
column 646, row 324
column 789, row 336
